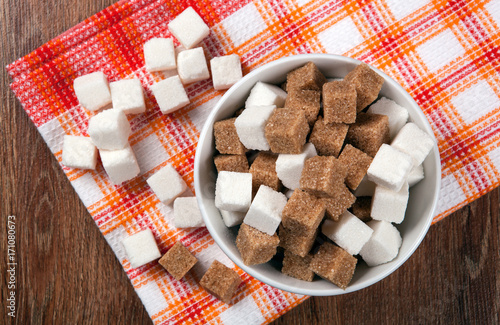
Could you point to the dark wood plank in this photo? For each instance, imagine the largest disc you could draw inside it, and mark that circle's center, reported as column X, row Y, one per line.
column 67, row 274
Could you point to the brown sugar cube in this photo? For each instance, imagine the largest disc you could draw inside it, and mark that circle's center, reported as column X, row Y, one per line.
column 368, row 84
column 306, row 100
column 286, row 131
column 339, row 102
column 231, row 163
column 322, row 176
column 357, row 163
column 178, row 261
column 221, row 281
column 298, row 243
column 369, row 133
column 342, row 200
column 334, row 264
column 226, row 138
column 362, row 208
column 306, row 77
column 297, row 266
column 302, row 213
column 328, row 138
column 263, row 172
column 256, row 247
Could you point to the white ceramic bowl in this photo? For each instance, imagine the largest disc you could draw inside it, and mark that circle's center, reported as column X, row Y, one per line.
column 421, row 205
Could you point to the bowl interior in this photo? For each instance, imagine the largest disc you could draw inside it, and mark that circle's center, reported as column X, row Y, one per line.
column 421, row 205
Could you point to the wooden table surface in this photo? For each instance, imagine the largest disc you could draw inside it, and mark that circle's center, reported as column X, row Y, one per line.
column 67, row 274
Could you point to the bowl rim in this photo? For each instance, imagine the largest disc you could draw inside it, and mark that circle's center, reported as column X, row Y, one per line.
column 259, row 276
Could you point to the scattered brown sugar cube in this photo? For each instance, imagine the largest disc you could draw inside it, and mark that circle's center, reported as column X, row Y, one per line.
column 328, row 138
column 221, row 281
column 339, row 102
column 334, row 264
column 256, row 247
column 178, row 260
column 286, row 131
column 322, row 176
column 307, row 77
column 226, row 138
column 263, row 172
column 302, row 213
column 231, row 163
column 297, row 266
column 306, row 100
column 357, row 163
column 369, row 132
column 342, row 200
column 298, row 243
column 362, row 208
column 368, row 84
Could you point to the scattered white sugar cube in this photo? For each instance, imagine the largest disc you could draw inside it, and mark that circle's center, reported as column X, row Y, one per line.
column 170, row 94
column 120, row 164
column 263, row 94
column 167, row 184
column 141, row 248
column 365, row 188
column 265, row 212
column 289, row 193
column 416, row 175
column 232, row 218
column 92, row 91
column 384, row 244
column 187, row 213
column 348, row 232
column 127, row 95
column 389, row 205
column 159, row 54
column 226, row 71
column 109, row 129
column 251, row 124
column 189, row 28
column 398, row 115
column 79, row 152
column 233, row 191
column 413, row 141
column 390, row 167
column 289, row 167
column 192, row 66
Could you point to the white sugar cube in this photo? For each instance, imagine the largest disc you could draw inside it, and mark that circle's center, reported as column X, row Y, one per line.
column 226, row 71
column 289, row 193
column 127, row 95
column 159, row 54
column 348, row 232
column 192, row 66
column 416, row 175
column 390, row 167
column 264, row 94
column 109, row 129
column 233, row 191
column 265, row 212
column 170, row 94
column 92, row 91
column 289, row 167
column 251, row 124
column 187, row 213
column 232, row 218
column 389, row 205
column 79, row 152
column 365, row 188
column 141, row 248
column 398, row 115
column 167, row 184
column 413, row 141
column 120, row 164
column 189, row 28
column 384, row 244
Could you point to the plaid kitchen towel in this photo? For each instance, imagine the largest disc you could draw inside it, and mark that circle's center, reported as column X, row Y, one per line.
column 444, row 53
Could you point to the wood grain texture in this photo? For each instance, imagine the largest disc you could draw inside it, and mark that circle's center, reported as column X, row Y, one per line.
column 67, row 274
